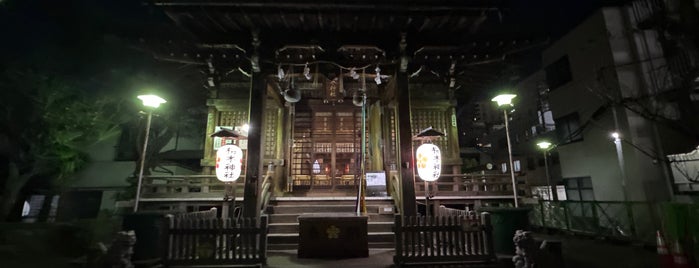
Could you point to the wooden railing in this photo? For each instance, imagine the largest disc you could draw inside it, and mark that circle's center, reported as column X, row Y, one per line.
column 443, row 240
column 468, row 185
column 194, row 186
column 395, row 190
column 205, row 242
column 198, row 215
column 266, row 192
column 445, row 211
column 186, row 186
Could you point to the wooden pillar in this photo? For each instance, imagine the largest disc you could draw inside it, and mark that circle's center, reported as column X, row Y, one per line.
column 279, row 174
column 408, row 206
column 252, row 175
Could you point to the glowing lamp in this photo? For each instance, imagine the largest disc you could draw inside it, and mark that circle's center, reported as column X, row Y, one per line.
column 229, row 163
column 544, row 145
column 504, row 99
column 428, row 160
column 151, row 100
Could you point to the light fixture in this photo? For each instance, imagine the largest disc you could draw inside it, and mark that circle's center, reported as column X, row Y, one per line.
column 615, row 135
column 506, row 99
column 152, row 101
column 246, row 127
column 544, row 145
column 428, row 160
column 353, row 73
column 229, row 163
column 280, row 73
column 622, row 166
column 210, row 81
column 378, row 75
column 307, row 72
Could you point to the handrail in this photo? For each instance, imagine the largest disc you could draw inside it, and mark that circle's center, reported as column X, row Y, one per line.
column 396, row 193
column 265, row 194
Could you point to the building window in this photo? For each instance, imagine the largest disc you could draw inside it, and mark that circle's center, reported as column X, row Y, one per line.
column 558, row 73
column 517, row 166
column 579, row 189
column 568, row 128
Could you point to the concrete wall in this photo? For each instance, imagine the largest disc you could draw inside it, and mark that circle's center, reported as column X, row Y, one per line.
column 604, row 64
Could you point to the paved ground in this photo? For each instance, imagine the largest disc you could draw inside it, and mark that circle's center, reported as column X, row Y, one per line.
column 577, row 253
column 287, row 258
column 585, row 252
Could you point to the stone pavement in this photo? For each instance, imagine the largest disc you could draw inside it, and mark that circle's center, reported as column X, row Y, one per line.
column 578, row 252
column 287, row 258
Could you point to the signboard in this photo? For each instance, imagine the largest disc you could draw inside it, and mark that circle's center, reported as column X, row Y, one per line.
column 428, row 159
column 376, row 178
column 229, row 163
column 376, row 183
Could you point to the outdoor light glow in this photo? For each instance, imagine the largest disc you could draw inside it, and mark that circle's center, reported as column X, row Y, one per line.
column 544, row 144
column 229, row 163
column 504, row 99
column 151, row 100
column 307, row 72
column 428, row 160
column 615, row 135
column 246, row 127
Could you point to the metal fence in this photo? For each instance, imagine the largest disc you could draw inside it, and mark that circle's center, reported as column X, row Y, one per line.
column 632, row 221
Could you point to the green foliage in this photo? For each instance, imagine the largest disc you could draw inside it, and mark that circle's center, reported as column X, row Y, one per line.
column 46, row 121
column 49, row 121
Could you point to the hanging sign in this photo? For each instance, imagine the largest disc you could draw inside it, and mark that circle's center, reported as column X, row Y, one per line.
column 428, row 160
column 229, row 163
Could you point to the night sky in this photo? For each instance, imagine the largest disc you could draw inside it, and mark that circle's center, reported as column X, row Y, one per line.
column 96, row 41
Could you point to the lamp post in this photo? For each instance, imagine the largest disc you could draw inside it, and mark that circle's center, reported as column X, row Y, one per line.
column 506, row 100
column 150, row 102
column 228, row 167
column 428, row 160
column 620, row 159
column 545, row 145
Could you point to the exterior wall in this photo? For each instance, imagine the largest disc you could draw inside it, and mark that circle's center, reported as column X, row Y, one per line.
column 528, row 131
column 604, row 63
column 105, row 174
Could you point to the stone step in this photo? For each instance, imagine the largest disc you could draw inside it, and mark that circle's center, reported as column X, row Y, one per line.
column 292, row 246
column 293, row 238
column 293, row 218
column 294, row 227
column 323, row 208
column 327, row 201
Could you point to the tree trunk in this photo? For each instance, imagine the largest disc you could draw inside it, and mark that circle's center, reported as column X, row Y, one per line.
column 14, row 184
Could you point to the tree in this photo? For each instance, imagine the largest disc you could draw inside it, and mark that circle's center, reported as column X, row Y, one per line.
column 46, row 122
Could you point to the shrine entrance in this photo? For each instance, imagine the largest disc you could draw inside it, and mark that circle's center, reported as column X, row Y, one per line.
column 326, row 149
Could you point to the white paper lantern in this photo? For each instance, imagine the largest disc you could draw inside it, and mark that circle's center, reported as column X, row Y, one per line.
column 229, row 163
column 428, row 159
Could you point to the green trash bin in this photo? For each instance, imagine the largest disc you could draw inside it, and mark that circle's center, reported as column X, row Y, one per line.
column 150, row 231
column 505, row 222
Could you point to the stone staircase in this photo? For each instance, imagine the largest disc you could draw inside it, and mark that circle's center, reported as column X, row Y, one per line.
column 284, row 211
